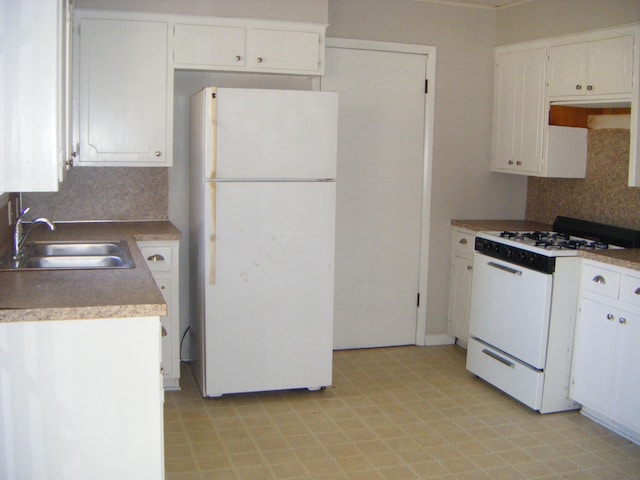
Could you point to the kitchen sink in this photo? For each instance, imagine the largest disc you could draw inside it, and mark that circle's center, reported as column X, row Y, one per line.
column 55, row 249
column 70, row 256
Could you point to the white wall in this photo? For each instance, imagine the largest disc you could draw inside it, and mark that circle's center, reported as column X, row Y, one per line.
column 462, row 185
column 293, row 10
column 548, row 18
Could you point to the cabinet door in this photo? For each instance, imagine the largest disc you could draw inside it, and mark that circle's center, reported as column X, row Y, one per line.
column 123, row 99
column 567, row 75
column 609, row 68
column 283, row 50
column 208, row 46
column 34, row 108
column 600, row 67
column 519, row 112
column 460, row 297
column 164, row 284
column 626, row 389
column 593, row 355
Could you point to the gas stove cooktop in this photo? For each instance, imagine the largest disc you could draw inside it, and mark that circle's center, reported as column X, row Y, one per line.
column 538, row 249
column 548, row 243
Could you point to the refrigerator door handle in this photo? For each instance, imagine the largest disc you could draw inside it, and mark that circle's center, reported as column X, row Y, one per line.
column 213, row 131
column 212, row 237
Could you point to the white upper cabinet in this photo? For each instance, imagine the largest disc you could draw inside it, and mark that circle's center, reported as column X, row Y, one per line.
column 35, row 111
column 125, row 91
column 593, row 70
column 209, row 46
column 285, row 50
column 519, row 112
column 600, row 67
column 218, row 44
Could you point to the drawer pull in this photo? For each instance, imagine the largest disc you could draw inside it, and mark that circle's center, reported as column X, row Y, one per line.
column 156, row 257
column 164, row 331
column 463, row 241
column 497, row 357
column 599, row 279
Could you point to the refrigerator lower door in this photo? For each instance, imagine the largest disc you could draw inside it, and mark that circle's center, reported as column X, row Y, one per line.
column 268, row 320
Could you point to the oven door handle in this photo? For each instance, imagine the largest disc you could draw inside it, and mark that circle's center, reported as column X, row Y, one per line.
column 497, row 357
column 505, row 268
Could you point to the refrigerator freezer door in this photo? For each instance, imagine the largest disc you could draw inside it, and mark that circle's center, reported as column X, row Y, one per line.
column 269, row 313
column 272, row 134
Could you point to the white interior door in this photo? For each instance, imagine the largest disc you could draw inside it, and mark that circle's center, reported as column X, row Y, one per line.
column 379, row 194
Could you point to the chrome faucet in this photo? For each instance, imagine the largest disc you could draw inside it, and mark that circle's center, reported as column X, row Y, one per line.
column 19, row 235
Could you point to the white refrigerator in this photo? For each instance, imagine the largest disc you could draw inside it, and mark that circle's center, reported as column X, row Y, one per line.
column 262, row 238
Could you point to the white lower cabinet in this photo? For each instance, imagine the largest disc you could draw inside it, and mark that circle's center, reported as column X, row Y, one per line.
column 606, row 351
column 162, row 260
column 460, row 284
column 81, row 399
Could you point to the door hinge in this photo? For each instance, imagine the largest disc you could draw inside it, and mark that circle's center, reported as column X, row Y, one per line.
column 426, row 85
column 418, row 301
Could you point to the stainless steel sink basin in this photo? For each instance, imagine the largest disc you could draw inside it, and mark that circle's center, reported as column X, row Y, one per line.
column 71, row 256
column 54, row 249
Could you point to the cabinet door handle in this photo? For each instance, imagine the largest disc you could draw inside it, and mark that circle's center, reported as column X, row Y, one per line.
column 158, row 153
column 518, row 162
column 589, row 87
column 469, row 267
column 259, row 60
column 463, row 241
column 622, row 321
column 238, row 58
column 599, row 279
column 510, row 162
column 637, row 291
column 610, row 316
column 578, row 87
column 156, row 257
column 164, row 331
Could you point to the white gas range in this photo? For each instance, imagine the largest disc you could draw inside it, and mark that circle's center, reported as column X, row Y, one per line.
column 523, row 307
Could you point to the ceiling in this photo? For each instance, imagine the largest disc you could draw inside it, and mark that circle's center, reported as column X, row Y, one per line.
column 489, row 4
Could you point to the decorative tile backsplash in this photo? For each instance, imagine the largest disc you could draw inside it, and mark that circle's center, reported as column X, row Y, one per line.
column 603, row 196
column 105, row 193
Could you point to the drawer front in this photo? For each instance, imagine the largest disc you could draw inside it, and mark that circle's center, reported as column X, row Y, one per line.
column 158, row 258
column 630, row 289
column 600, row 280
column 510, row 376
column 463, row 243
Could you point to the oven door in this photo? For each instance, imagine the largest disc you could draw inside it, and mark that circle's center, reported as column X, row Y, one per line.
column 510, row 308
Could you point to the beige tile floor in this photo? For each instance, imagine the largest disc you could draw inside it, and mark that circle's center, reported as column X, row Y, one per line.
column 393, row 413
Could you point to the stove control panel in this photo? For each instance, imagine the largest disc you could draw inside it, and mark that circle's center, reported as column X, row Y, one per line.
column 515, row 255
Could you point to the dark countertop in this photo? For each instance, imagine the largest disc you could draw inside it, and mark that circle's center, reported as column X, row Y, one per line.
column 84, row 294
column 628, row 258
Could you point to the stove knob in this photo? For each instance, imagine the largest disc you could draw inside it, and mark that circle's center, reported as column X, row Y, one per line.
column 496, row 247
column 522, row 256
column 531, row 258
column 509, row 253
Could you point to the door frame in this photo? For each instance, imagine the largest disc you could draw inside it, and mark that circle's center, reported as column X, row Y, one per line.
column 429, row 98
